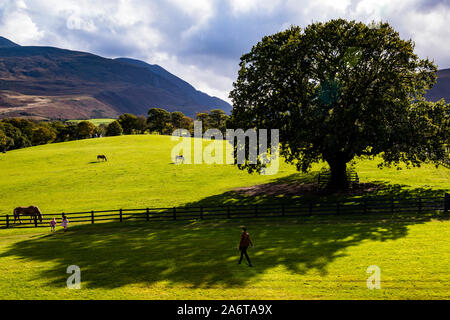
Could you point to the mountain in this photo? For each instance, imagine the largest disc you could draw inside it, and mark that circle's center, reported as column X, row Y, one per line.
column 48, row 82
column 199, row 97
column 442, row 87
column 5, row 43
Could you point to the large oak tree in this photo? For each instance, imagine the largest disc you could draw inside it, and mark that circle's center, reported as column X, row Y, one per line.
column 340, row 90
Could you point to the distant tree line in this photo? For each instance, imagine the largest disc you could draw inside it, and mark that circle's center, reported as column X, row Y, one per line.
column 18, row 133
column 21, row 133
column 164, row 122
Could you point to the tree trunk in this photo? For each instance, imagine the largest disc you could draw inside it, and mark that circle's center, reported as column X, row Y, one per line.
column 338, row 179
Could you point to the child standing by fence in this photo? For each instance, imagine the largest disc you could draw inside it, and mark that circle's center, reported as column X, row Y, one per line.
column 53, row 224
column 64, row 223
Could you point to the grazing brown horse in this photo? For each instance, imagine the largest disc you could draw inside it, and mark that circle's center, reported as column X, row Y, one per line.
column 101, row 157
column 31, row 211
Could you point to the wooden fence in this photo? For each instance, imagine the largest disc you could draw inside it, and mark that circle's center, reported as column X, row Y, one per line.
column 363, row 207
column 324, row 177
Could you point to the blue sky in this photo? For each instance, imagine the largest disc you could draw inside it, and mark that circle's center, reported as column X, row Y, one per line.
column 202, row 40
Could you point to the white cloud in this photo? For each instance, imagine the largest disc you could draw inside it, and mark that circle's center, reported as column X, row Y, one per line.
column 248, row 6
column 17, row 25
column 26, row 33
column 199, row 11
column 75, row 22
column 126, row 14
column 319, row 10
column 430, row 32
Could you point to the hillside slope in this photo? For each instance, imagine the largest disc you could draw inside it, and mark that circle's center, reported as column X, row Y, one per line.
column 140, row 173
column 5, row 43
column 197, row 97
column 56, row 83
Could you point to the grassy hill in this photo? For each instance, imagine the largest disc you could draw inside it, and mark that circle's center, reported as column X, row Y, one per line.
column 97, row 122
column 140, row 173
column 293, row 259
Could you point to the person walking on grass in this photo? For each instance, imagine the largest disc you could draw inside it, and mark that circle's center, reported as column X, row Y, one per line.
column 65, row 222
column 243, row 245
column 53, row 224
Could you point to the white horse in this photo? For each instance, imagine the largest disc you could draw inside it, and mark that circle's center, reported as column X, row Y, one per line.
column 179, row 158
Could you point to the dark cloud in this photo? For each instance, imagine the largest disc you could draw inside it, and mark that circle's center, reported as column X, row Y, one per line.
column 432, row 4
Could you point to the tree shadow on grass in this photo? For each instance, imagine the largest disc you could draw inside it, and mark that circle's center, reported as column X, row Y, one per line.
column 298, row 187
column 199, row 254
column 202, row 254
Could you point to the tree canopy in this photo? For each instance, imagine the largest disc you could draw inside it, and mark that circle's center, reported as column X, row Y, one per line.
column 157, row 119
column 214, row 119
column 42, row 135
column 3, row 141
column 340, row 90
column 128, row 122
column 114, row 129
column 85, row 129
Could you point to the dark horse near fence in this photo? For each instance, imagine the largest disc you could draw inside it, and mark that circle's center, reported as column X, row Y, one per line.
column 31, row 211
column 101, row 157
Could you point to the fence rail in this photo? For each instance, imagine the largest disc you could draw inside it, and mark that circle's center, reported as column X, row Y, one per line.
column 389, row 206
column 324, row 178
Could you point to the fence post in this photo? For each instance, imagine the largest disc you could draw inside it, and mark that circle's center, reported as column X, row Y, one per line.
column 392, row 205
column 92, row 217
column 147, row 214
column 310, row 208
column 447, row 203
column 174, row 213
column 282, row 209
column 256, row 210
column 228, row 212
column 201, row 213
column 7, row 221
column 365, row 206
column 337, row 207
column 120, row 215
column 35, row 221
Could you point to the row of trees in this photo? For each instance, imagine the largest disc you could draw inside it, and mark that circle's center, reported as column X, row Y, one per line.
column 21, row 133
column 165, row 122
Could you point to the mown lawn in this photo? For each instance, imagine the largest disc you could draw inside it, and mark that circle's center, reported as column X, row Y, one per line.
column 140, row 173
column 294, row 259
column 198, row 260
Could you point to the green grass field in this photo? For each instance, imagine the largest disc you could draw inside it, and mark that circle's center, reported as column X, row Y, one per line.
column 294, row 259
column 97, row 122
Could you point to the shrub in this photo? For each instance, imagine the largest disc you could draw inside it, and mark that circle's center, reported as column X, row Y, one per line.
column 114, row 129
